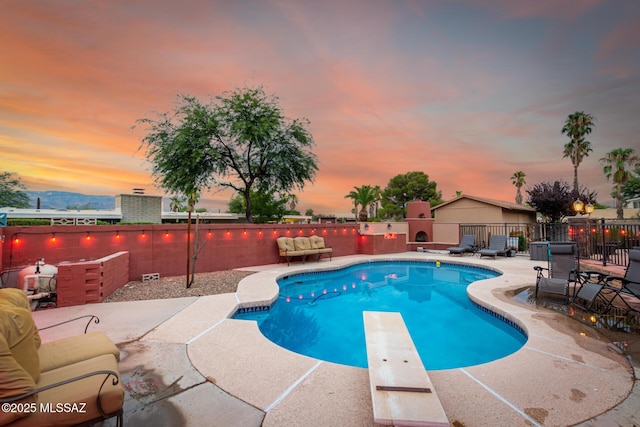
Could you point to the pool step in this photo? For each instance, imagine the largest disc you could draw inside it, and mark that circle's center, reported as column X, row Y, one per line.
column 401, row 390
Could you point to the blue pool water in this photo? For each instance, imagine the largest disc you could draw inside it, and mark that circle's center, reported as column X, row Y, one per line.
column 319, row 314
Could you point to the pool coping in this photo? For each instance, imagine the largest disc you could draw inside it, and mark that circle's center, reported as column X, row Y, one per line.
column 564, row 365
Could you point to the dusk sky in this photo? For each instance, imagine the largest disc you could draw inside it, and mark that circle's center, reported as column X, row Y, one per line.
column 467, row 91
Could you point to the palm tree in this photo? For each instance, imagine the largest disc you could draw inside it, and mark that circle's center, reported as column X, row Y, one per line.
column 576, row 127
column 373, row 207
column 363, row 197
column 518, row 180
column 176, row 204
column 293, row 201
column 618, row 164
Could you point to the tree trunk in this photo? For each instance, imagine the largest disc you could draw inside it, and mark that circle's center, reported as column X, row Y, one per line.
column 196, row 251
column 247, row 200
column 619, row 203
column 362, row 216
column 188, row 247
column 518, row 197
column 575, row 179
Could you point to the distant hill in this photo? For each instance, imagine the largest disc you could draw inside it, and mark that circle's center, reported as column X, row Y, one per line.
column 64, row 199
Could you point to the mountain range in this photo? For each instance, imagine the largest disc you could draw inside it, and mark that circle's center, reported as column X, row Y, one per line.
column 68, row 200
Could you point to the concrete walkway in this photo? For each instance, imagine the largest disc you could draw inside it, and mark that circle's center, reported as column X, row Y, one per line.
column 184, row 362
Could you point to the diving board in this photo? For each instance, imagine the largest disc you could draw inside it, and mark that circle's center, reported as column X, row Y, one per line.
column 401, row 390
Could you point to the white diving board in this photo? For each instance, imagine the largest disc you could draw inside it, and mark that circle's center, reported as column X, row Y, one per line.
column 401, row 390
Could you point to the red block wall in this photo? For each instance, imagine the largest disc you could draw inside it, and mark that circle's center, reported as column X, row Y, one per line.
column 79, row 283
column 162, row 248
column 91, row 281
column 115, row 273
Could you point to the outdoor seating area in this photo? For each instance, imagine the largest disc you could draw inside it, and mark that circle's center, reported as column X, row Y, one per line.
column 592, row 291
column 71, row 381
column 302, row 247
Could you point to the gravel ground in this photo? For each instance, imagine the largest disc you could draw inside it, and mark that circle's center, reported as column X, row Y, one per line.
column 216, row 282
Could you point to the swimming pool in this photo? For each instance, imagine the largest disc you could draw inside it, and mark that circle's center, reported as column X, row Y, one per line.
column 319, row 314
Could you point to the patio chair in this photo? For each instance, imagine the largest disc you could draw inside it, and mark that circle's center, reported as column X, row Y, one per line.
column 467, row 244
column 497, row 246
column 563, row 269
column 604, row 295
column 630, row 283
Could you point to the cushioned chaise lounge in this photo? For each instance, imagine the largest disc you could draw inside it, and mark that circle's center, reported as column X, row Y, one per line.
column 74, row 381
column 467, row 244
column 497, row 246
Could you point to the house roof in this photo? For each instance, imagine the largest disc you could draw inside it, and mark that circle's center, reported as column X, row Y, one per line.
column 499, row 203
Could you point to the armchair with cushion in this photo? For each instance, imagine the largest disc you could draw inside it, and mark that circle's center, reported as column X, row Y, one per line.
column 67, row 382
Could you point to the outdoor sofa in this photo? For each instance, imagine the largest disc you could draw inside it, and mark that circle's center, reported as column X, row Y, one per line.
column 303, row 247
column 67, row 382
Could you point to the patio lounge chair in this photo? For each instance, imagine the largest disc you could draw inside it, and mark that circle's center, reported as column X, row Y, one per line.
column 497, row 246
column 563, row 269
column 622, row 293
column 630, row 283
column 467, row 244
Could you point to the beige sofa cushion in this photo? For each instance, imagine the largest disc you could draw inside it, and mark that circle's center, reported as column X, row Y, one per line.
column 317, row 242
column 74, row 349
column 19, row 331
column 82, row 391
column 285, row 244
column 14, row 381
column 14, row 297
column 302, row 243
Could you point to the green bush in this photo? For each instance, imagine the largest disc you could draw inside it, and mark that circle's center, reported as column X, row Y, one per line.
column 13, row 222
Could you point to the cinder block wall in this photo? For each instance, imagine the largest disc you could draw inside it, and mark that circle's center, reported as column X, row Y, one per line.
column 91, row 281
column 139, row 208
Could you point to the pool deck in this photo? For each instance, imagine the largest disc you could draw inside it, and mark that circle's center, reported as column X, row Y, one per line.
column 184, row 362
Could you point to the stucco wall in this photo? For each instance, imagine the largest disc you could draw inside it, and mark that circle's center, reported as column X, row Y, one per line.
column 467, row 211
column 446, row 233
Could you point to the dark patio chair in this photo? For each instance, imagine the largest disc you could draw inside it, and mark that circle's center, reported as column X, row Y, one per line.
column 630, row 283
column 602, row 296
column 497, row 246
column 467, row 244
column 562, row 271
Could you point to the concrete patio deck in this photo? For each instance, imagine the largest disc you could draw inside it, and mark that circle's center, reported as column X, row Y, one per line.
column 184, row 362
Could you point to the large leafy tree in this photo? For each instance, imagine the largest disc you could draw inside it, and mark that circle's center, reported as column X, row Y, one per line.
column 177, row 145
column 364, row 197
column 10, row 191
column 266, row 206
column 555, row 200
column 517, row 179
column 240, row 140
column 256, row 148
column 405, row 188
column 617, row 166
column 576, row 127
